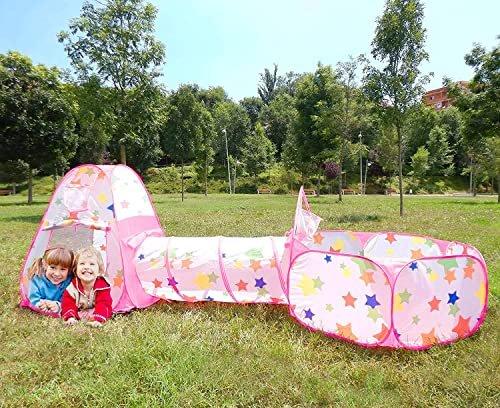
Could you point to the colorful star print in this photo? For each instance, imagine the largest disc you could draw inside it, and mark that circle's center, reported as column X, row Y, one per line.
column 349, row 300
column 141, row 257
column 213, row 278
column 118, row 281
column 434, row 303
column 367, row 277
column 318, row 284
column 380, row 336
column 124, row 204
column 415, row 319
column 480, row 293
column 255, row 265
column 372, row 301
column 346, row 331
column 172, row 282
column 405, row 296
column 413, row 266
column 308, row 314
column 450, row 276
column 429, row 339
column 448, row 263
column 185, row 263
column 469, row 269
column 306, row 283
column 454, row 309
column 242, row 285
column 157, row 283
column 238, row 264
column 453, row 297
column 390, row 237
column 328, row 258
column 318, row 238
column 462, row 327
column 329, row 307
column 374, row 314
column 416, row 254
column 202, row 281
column 260, row 283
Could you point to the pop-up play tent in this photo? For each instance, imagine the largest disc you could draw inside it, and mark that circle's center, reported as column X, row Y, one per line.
column 373, row 289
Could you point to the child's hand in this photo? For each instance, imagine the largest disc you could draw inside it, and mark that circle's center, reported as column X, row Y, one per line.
column 94, row 323
column 52, row 306
column 42, row 305
column 71, row 321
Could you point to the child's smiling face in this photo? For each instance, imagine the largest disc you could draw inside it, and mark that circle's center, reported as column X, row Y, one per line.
column 87, row 268
column 56, row 273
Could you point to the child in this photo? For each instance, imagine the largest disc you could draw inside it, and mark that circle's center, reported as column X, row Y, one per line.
column 50, row 275
column 88, row 296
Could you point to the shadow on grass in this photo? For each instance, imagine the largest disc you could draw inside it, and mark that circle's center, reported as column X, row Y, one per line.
column 34, row 219
column 357, row 218
column 473, row 202
column 23, row 203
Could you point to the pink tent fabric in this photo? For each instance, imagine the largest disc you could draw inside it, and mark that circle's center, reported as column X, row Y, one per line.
column 373, row 289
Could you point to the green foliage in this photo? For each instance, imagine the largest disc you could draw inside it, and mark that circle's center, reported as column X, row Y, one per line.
column 441, row 157
column 278, row 118
column 420, row 162
column 268, row 85
column 127, row 59
column 257, row 152
column 36, row 121
column 396, row 88
column 253, row 107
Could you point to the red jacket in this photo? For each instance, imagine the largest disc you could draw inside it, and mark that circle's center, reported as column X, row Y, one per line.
column 75, row 299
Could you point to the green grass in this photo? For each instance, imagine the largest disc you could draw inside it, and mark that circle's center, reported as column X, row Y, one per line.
column 176, row 354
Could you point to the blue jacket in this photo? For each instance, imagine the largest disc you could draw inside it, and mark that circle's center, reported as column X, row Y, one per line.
column 41, row 288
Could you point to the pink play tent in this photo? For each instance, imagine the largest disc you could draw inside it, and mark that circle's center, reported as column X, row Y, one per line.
column 99, row 206
column 373, row 289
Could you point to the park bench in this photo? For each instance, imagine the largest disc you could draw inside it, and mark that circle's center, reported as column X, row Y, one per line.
column 264, row 191
column 5, row 192
column 348, row 191
column 310, row 192
column 389, row 191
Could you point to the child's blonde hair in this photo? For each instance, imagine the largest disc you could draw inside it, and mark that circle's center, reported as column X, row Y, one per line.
column 90, row 251
column 55, row 255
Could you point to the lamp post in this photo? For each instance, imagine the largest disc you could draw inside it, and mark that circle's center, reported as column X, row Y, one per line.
column 227, row 158
column 360, row 164
column 236, row 163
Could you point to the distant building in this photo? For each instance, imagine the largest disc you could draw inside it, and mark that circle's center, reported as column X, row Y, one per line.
column 438, row 98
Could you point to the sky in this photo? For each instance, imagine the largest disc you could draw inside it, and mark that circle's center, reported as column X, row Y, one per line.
column 228, row 43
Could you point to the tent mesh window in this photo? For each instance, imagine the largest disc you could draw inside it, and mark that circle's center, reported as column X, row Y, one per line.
column 73, row 238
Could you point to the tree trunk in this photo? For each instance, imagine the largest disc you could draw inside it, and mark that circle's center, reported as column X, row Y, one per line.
column 123, row 154
column 30, row 185
column 318, row 184
column 366, row 174
column 498, row 188
column 14, row 185
column 206, row 175
column 400, row 159
column 474, row 181
column 340, row 181
column 182, row 180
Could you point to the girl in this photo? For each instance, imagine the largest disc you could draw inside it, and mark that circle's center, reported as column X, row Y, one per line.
column 50, row 275
column 88, row 296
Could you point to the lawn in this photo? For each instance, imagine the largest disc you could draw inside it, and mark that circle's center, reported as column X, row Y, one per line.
column 177, row 354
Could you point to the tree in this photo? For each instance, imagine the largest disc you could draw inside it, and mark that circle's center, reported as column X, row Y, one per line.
column 36, row 121
column 311, row 141
column 183, row 132
column 115, row 43
column 205, row 152
column 347, row 113
column 258, row 152
column 277, row 119
column 253, row 107
column 399, row 44
column 479, row 104
column 441, row 156
column 13, row 172
column 93, row 120
column 268, row 86
column 420, row 162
